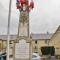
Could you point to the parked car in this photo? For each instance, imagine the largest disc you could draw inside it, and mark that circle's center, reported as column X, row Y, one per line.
column 2, row 56
column 36, row 56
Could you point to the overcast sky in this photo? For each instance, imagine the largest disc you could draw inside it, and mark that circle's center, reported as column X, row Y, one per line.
column 44, row 17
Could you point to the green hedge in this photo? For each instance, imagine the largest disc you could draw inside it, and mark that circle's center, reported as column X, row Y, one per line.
column 48, row 50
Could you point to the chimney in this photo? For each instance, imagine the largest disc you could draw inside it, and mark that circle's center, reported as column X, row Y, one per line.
column 31, row 35
column 47, row 32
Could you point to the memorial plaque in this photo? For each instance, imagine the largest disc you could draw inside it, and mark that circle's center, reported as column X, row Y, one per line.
column 22, row 50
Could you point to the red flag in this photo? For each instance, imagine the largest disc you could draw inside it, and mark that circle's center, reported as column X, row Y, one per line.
column 32, row 5
column 23, row 1
column 18, row 4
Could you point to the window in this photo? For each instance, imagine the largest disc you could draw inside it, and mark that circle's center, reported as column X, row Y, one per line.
column 45, row 41
column 36, row 42
column 35, row 47
column 59, row 35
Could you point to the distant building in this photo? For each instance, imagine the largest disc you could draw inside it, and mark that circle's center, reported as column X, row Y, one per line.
column 39, row 40
column 3, row 42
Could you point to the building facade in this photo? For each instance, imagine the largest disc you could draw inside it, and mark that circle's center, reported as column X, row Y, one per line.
column 40, row 40
column 3, row 43
column 55, row 41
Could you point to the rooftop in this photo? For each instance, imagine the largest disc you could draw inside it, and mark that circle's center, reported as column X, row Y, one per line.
column 42, row 36
column 34, row 36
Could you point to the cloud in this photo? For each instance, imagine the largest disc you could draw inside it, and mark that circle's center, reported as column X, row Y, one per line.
column 44, row 17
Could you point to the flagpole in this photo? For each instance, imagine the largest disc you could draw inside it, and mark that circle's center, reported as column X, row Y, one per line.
column 8, row 29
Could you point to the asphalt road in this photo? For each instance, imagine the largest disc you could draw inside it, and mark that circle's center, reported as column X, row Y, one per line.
column 44, row 59
column 52, row 59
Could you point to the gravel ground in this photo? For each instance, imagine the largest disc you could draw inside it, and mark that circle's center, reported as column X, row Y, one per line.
column 44, row 59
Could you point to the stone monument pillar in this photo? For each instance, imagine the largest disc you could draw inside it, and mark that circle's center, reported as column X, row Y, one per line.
column 22, row 46
column 22, row 49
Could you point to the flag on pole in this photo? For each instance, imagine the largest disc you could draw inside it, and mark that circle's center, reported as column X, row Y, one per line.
column 23, row 1
column 31, row 4
column 18, row 4
column 24, row 5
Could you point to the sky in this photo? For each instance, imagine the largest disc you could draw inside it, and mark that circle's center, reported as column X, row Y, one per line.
column 44, row 17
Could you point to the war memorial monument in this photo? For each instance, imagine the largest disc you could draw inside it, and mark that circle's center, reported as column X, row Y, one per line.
column 22, row 47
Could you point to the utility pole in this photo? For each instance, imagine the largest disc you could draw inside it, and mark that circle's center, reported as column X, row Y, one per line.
column 8, row 29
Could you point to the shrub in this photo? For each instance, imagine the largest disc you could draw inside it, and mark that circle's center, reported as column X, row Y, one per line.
column 48, row 50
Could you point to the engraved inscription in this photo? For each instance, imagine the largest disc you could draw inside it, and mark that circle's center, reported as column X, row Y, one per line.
column 22, row 49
